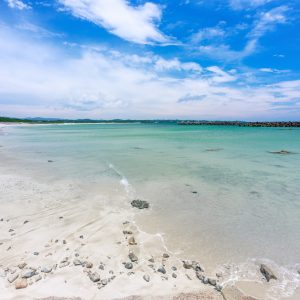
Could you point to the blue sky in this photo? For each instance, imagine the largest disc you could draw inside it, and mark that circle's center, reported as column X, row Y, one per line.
column 187, row 59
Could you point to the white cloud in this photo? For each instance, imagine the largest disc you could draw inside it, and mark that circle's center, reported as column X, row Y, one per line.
column 208, row 34
column 265, row 22
column 174, row 64
column 18, row 4
column 133, row 23
column 100, row 83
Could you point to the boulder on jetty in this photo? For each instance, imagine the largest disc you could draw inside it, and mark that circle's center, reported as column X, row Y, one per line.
column 282, row 152
column 141, row 204
column 267, row 272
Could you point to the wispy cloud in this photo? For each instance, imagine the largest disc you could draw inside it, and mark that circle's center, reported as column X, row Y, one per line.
column 18, row 4
column 136, row 24
column 264, row 23
column 247, row 4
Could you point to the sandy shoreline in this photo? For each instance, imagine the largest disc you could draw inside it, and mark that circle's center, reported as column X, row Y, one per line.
column 60, row 239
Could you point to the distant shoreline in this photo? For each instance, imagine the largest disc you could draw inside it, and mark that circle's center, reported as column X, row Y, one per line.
column 41, row 121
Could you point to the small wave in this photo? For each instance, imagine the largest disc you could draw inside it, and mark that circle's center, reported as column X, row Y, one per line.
column 123, row 180
column 285, row 286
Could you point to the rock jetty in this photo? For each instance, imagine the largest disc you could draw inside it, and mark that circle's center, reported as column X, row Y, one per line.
column 242, row 124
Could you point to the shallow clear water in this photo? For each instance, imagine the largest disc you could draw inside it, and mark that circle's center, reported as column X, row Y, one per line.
column 216, row 193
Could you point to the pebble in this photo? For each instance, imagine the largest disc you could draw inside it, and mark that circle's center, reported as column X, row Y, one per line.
column 64, row 264
column 25, row 222
column 81, row 237
column 174, row 268
column 132, row 257
column 187, row 264
column 205, row 280
column 174, row 275
column 132, row 241
column 129, row 265
column 166, row 255
column 188, row 277
column 88, row 265
column 22, row 265
column 10, row 230
column 28, row 274
column 101, row 266
column 21, row 283
column 94, row 277
column 104, row 281
column 162, row 270
column 151, row 260
column 77, row 262
column 38, row 278
column 46, row 270
column 36, row 253
column 12, row 278
column 146, row 277
column 127, row 232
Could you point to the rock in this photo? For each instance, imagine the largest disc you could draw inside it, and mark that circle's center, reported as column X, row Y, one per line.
column 174, row 268
column 187, row 264
column 282, row 152
column 28, row 274
column 132, row 257
column 36, row 253
column 166, row 255
column 88, row 265
column 38, row 278
column 25, row 222
column 162, row 270
column 104, row 281
column 131, row 241
column 46, row 270
column 81, row 236
column 267, row 272
column 151, row 260
column 64, row 242
column 174, row 275
column 77, row 262
column 212, row 281
column 10, row 230
column 141, row 204
column 22, row 265
column 129, row 265
column 127, row 232
column 188, row 277
column 199, row 275
column 94, row 277
column 21, row 283
column 197, row 267
column 12, row 278
column 219, row 287
column 64, row 264
column 146, row 277
column 205, row 280
column 101, row 266
column 219, row 274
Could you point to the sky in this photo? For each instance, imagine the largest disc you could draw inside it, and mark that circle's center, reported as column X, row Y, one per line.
column 155, row 59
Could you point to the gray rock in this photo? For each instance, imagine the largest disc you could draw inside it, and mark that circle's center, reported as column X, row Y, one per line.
column 267, row 272
column 94, row 277
column 36, row 253
column 10, row 230
column 146, row 277
column 46, row 270
column 199, row 275
column 219, row 287
column 77, row 262
column 212, row 281
column 101, row 266
column 12, row 278
column 162, row 270
column 64, row 264
column 128, row 265
column 151, row 260
column 127, row 232
column 132, row 257
column 166, row 255
column 28, row 274
column 174, row 268
column 205, row 280
column 141, row 204
column 174, row 275
column 104, row 281
column 38, row 278
column 131, row 241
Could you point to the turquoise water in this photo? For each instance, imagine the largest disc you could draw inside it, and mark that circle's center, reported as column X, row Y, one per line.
column 217, row 194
